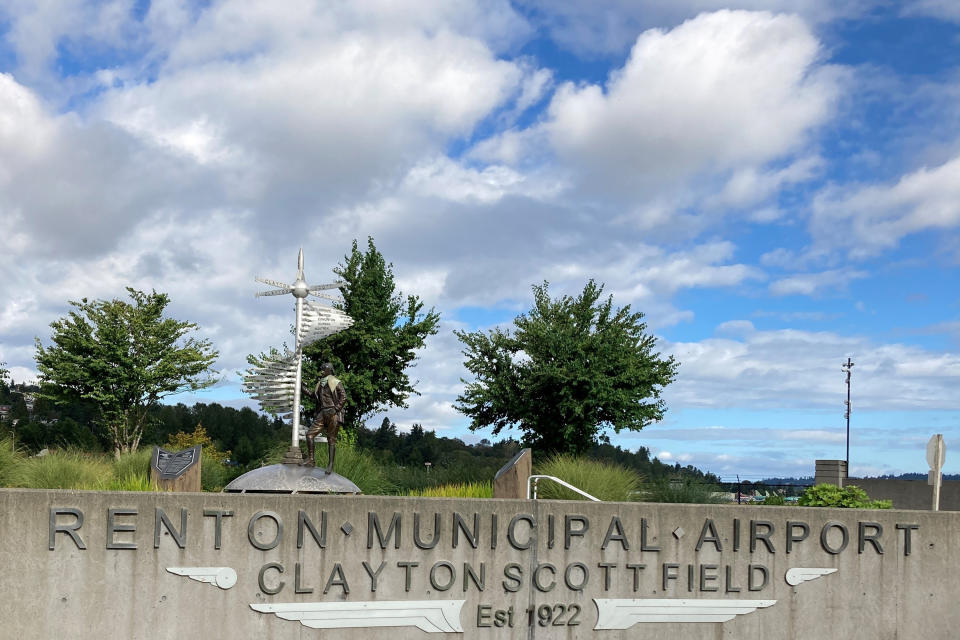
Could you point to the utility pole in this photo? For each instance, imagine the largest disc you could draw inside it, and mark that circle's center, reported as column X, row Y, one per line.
column 846, row 368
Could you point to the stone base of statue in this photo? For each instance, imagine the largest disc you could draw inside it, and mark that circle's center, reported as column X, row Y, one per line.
column 293, row 456
column 291, row 478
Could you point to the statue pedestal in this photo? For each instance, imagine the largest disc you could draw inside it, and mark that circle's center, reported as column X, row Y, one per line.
column 291, row 478
column 292, row 456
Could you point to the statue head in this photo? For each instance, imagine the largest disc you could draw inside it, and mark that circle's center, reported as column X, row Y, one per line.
column 327, row 369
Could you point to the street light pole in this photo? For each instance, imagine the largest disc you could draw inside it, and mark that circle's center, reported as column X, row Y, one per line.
column 846, row 368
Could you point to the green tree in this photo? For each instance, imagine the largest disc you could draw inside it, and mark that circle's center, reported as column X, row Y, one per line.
column 373, row 355
column 123, row 358
column 4, row 386
column 572, row 367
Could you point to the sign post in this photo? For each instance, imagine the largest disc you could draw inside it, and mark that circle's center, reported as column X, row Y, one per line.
column 936, row 453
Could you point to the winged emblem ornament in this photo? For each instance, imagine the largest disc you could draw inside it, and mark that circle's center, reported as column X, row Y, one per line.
column 432, row 616
column 223, row 577
column 624, row 613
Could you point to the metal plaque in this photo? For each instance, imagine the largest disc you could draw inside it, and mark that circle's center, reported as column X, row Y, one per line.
column 172, row 464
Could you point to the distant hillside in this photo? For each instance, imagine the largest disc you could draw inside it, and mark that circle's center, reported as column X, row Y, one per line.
column 903, row 476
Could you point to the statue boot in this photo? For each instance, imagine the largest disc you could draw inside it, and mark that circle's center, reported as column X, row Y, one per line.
column 309, row 461
column 331, row 453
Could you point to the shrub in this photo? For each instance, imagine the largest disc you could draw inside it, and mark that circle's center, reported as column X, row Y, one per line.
column 850, row 497
column 683, row 490
column 180, row 441
column 459, row 490
column 775, row 500
column 608, row 482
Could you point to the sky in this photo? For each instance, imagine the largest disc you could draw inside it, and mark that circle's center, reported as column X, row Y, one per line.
column 775, row 184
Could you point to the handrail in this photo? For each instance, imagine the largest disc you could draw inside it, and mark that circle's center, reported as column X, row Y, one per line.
column 533, row 480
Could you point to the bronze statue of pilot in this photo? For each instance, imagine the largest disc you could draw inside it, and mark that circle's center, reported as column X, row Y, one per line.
column 329, row 396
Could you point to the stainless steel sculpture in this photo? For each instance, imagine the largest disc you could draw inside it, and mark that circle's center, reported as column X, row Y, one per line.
column 275, row 383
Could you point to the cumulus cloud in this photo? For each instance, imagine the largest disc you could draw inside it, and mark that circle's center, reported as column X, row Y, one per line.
column 717, row 92
column 716, row 114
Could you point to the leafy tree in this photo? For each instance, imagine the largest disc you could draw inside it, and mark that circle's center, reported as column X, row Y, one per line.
column 181, row 440
column 124, row 358
column 372, row 356
column 4, row 385
column 572, row 367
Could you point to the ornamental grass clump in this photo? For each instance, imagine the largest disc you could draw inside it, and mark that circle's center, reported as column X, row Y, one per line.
column 11, row 460
column 607, row 482
column 131, row 472
column 456, row 490
column 68, row 469
column 683, row 491
column 359, row 467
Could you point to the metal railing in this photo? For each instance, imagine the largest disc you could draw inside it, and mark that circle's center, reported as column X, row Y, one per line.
column 532, row 487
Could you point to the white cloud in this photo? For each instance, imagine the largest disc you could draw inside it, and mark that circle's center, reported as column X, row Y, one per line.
column 809, row 284
column 944, row 9
column 801, row 369
column 750, row 185
column 866, row 220
column 718, row 92
column 446, row 179
column 715, row 115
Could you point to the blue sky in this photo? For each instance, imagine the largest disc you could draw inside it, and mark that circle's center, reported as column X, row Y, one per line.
column 775, row 184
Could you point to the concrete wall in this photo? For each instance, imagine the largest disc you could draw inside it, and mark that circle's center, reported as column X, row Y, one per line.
column 896, row 576
column 909, row 494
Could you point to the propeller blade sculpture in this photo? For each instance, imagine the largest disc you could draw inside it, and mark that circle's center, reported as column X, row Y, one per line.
column 275, row 381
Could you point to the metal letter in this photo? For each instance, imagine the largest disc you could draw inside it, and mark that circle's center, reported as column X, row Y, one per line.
column 373, row 525
column 907, row 530
column 373, row 574
column 511, row 531
column 825, row 543
column 791, row 537
column 433, row 575
column 251, row 528
column 536, row 577
column 69, row 529
column 753, row 586
column 459, row 524
column 416, row 532
column 303, row 521
column 756, row 535
column 262, row 583
column 340, row 581
column 569, row 531
column 219, row 515
column 179, row 537
column 615, row 532
column 714, row 537
column 296, row 581
column 873, row 538
column 113, row 528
